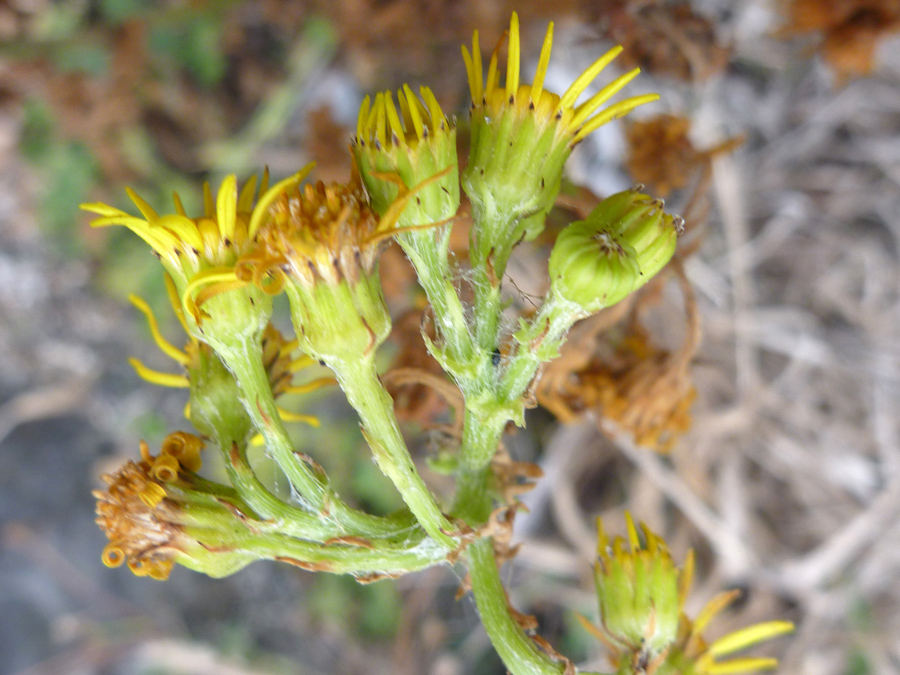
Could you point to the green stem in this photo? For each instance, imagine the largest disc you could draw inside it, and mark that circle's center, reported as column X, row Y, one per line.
column 536, row 344
column 279, row 516
column 315, row 494
column 429, row 256
column 367, row 395
column 473, row 502
column 339, row 558
column 219, row 531
column 481, row 436
column 494, row 235
column 490, row 404
column 519, row 653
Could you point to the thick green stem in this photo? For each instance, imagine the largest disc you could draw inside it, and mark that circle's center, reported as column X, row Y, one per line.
column 497, row 399
column 473, row 502
column 364, row 391
column 519, row 653
column 345, row 559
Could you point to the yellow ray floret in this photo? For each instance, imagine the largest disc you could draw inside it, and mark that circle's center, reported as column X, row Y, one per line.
column 165, row 346
column 732, row 642
column 160, row 378
column 576, row 121
column 415, row 122
column 213, row 238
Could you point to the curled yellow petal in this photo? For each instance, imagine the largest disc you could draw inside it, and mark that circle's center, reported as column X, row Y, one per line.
column 156, row 377
column 113, row 555
column 288, row 416
column 167, row 348
column 165, row 468
column 152, row 494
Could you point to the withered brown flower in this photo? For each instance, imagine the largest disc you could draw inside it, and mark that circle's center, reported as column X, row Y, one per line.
column 850, row 30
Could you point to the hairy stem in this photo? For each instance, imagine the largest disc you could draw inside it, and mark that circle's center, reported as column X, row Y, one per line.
column 370, row 399
column 519, row 653
column 313, row 489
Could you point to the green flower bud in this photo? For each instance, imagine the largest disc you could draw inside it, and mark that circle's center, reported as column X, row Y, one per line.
column 621, row 245
column 215, row 406
column 395, row 152
column 639, row 591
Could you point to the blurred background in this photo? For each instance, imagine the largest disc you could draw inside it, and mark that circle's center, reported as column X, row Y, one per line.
column 777, row 135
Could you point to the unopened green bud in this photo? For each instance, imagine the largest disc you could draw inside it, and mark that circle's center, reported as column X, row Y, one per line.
column 215, row 404
column 621, row 245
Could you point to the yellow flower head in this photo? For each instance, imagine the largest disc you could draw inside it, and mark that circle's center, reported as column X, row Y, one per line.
column 189, row 245
column 572, row 121
column 200, row 255
column 521, row 137
column 642, row 594
column 413, row 149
